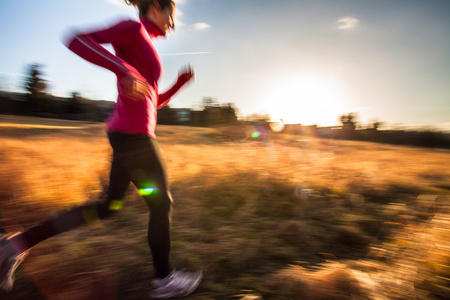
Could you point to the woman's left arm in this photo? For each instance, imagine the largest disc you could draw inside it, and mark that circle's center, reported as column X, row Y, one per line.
column 185, row 75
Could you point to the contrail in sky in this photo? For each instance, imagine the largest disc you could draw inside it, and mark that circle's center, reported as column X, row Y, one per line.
column 184, row 53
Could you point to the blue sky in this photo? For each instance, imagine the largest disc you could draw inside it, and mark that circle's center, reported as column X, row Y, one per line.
column 303, row 61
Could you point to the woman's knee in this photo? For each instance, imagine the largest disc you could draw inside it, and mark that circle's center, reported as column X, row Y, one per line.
column 160, row 204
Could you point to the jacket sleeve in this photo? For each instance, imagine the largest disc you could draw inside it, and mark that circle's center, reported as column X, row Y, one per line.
column 88, row 46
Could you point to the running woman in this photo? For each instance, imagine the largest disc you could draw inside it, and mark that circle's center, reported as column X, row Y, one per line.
column 131, row 132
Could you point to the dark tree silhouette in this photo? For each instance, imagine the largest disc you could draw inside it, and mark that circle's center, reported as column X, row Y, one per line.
column 35, row 85
column 74, row 104
column 349, row 121
column 215, row 114
column 376, row 124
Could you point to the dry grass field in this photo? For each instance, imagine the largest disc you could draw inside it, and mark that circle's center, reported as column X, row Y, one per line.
column 277, row 217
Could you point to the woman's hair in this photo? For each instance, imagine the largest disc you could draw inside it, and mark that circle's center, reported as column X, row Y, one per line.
column 144, row 5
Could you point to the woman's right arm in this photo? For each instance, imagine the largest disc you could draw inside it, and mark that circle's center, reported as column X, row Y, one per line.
column 88, row 46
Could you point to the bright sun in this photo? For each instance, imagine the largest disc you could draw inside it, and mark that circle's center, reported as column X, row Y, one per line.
column 306, row 100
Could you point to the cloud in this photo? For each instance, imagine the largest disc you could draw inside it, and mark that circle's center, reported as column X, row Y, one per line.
column 178, row 23
column 178, row 15
column 347, row 23
column 201, row 25
column 116, row 2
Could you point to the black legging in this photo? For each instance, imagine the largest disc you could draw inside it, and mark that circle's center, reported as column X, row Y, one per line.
column 136, row 159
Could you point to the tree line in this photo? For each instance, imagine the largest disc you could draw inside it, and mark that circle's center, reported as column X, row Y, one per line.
column 37, row 101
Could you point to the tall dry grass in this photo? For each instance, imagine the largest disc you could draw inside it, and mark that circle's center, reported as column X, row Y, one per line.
column 284, row 217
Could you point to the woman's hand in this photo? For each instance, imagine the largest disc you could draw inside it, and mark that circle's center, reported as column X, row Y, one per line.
column 186, row 73
column 134, row 87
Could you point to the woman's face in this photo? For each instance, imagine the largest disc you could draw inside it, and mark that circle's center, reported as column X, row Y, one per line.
column 163, row 18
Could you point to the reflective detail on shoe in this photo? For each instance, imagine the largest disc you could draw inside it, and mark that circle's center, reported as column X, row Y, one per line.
column 177, row 284
column 9, row 262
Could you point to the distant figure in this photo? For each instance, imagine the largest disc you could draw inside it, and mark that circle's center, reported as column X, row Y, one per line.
column 131, row 132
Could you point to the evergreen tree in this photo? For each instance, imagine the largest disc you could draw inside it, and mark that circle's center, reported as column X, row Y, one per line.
column 35, row 85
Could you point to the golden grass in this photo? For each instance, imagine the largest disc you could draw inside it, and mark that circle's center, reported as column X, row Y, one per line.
column 289, row 217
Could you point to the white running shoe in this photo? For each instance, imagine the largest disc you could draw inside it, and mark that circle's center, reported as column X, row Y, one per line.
column 177, row 284
column 9, row 262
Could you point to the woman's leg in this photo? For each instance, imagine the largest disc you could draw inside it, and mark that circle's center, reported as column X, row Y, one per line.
column 160, row 203
column 159, row 232
column 142, row 160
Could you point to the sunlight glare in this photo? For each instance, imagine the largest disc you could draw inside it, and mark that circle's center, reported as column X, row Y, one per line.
column 306, row 100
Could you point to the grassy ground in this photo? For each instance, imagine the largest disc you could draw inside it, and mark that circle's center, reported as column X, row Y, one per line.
column 279, row 217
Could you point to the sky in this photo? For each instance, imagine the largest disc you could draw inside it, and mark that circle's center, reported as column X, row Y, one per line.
column 301, row 61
